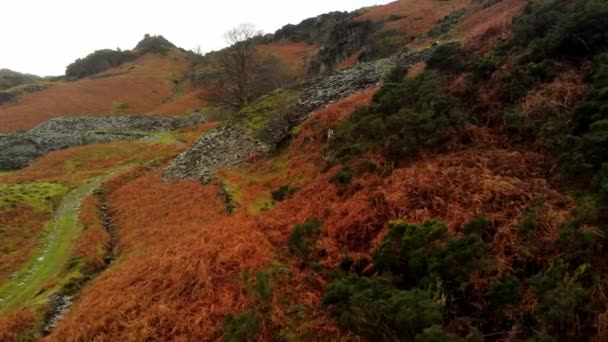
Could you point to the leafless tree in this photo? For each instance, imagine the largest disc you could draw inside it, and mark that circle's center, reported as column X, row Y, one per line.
column 239, row 66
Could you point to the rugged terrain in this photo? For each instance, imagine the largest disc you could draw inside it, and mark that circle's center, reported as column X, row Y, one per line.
column 420, row 171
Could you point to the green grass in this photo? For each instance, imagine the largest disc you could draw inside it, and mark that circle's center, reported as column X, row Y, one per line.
column 256, row 117
column 42, row 196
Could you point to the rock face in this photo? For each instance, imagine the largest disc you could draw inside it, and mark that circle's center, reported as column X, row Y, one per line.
column 18, row 150
column 346, row 38
column 230, row 146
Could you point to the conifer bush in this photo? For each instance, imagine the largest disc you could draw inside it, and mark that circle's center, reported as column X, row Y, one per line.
column 303, row 236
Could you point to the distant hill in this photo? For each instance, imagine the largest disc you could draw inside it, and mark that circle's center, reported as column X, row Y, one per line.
column 10, row 78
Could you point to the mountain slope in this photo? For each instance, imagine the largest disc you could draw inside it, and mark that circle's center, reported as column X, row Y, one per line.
column 447, row 183
column 135, row 87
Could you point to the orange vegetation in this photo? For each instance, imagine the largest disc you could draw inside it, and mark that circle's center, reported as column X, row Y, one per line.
column 20, row 227
column 181, row 257
column 415, row 17
column 416, row 70
column 350, row 61
column 561, row 94
column 185, row 103
column 15, row 325
column 294, row 54
column 483, row 28
column 93, row 245
column 142, row 84
column 77, row 164
column 181, row 254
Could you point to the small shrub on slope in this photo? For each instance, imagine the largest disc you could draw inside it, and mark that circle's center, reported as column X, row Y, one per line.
column 561, row 294
column 243, row 326
column 377, row 310
column 404, row 118
column 562, row 28
column 283, row 192
column 303, row 236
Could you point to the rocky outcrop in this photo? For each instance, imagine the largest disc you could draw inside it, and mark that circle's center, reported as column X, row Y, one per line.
column 345, row 39
column 224, row 147
column 231, row 146
column 18, row 150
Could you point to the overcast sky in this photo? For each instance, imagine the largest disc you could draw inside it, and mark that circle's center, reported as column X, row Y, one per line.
column 44, row 36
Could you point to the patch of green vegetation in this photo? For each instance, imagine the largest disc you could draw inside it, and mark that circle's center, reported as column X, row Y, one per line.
column 342, row 177
column 449, row 57
column 256, row 117
column 303, row 237
column 446, row 24
column 245, row 325
column 98, row 61
column 120, row 107
column 403, row 118
column 283, row 192
column 375, row 309
column 556, row 28
column 43, row 196
column 425, row 278
column 261, row 204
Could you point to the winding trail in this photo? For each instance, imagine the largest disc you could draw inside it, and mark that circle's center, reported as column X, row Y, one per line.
column 49, row 260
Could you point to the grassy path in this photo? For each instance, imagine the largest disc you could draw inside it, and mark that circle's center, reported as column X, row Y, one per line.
column 50, row 260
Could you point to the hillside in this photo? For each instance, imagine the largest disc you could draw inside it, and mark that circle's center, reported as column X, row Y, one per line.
column 418, row 171
column 9, row 79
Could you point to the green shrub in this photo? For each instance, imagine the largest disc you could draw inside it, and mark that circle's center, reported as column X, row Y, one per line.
column 504, row 292
column 343, row 176
column 561, row 295
column 154, row 44
column 283, row 192
column 447, row 23
column 419, row 254
column 243, row 326
column 403, row 118
column 449, row 58
column 376, row 310
column 435, row 333
column 524, row 77
column 97, row 62
column 556, row 28
column 303, row 236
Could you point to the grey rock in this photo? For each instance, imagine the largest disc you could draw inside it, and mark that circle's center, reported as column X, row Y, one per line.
column 18, row 150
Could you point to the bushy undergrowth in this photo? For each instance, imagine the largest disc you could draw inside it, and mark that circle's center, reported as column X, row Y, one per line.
column 98, row 61
column 303, row 236
column 404, row 118
column 562, row 28
column 428, row 279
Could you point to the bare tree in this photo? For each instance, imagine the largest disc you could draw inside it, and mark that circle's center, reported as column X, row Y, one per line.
column 239, row 66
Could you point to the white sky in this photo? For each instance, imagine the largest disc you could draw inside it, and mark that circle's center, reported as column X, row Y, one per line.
column 43, row 36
